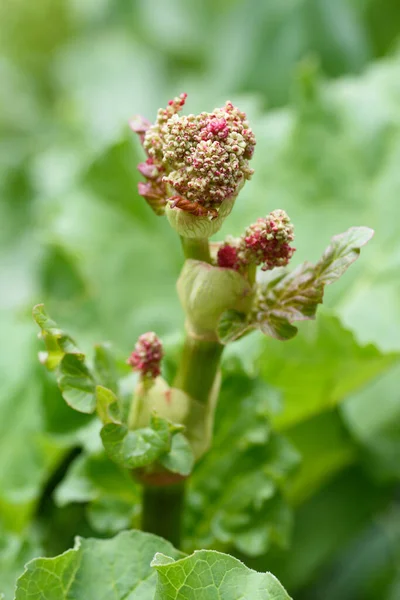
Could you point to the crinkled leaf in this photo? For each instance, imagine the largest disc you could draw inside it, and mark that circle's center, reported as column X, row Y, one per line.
column 138, row 448
column 295, row 297
column 76, row 383
column 234, row 494
column 180, row 458
column 105, row 366
column 107, row 405
column 343, row 250
column 208, row 574
column 58, row 343
column 278, row 327
column 231, row 326
column 116, row 568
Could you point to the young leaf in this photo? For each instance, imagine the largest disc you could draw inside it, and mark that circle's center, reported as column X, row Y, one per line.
column 343, row 250
column 180, row 458
column 231, row 326
column 58, row 343
column 295, row 296
column 76, row 383
column 107, row 405
column 138, row 448
column 117, row 568
column 105, row 366
column 209, row 574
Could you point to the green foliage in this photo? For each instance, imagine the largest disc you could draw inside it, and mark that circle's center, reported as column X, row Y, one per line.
column 235, row 495
column 77, row 237
column 118, row 567
column 212, row 574
column 122, row 566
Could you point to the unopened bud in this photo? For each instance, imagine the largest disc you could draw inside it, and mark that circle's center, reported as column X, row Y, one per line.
column 267, row 242
column 147, row 355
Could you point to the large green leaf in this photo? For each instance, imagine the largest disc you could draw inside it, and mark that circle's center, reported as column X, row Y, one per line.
column 209, row 574
column 372, row 415
column 117, row 568
column 317, row 370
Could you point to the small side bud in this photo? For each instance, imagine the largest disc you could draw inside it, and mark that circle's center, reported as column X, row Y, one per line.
column 147, row 355
column 267, row 242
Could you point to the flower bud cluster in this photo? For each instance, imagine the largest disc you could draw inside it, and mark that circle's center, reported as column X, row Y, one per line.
column 154, row 190
column 203, row 158
column 147, row 355
column 265, row 243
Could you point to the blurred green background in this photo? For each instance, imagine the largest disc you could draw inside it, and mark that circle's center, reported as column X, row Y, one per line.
column 320, row 81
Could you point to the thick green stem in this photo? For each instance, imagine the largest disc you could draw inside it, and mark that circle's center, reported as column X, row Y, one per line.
column 198, row 367
column 197, row 248
column 163, row 504
column 162, row 511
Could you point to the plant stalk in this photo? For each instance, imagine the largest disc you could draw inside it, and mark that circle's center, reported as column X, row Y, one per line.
column 197, row 371
column 198, row 367
column 162, row 508
column 196, row 248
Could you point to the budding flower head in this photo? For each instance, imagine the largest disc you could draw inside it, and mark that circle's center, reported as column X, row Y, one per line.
column 147, row 355
column 265, row 243
column 197, row 161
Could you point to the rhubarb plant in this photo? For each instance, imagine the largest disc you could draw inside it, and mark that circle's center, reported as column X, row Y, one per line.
column 154, row 411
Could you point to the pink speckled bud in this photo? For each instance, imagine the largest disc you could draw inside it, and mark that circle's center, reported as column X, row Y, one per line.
column 267, row 242
column 147, row 356
column 202, row 159
column 228, row 257
column 154, row 191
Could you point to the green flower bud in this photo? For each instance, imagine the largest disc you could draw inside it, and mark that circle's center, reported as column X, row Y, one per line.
column 197, row 224
column 206, row 292
column 175, row 406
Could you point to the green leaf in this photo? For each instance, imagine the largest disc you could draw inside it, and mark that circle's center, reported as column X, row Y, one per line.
column 325, row 447
column 117, row 568
column 319, row 368
column 180, row 458
column 209, row 574
column 105, row 366
column 235, row 493
column 57, row 342
column 15, row 552
column 107, row 405
column 295, row 297
column 76, row 383
column 231, row 326
column 138, row 448
column 111, row 495
column 343, row 250
column 372, row 416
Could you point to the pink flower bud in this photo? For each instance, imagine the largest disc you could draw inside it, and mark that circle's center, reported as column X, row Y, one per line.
column 202, row 159
column 266, row 242
column 147, row 355
column 228, row 258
